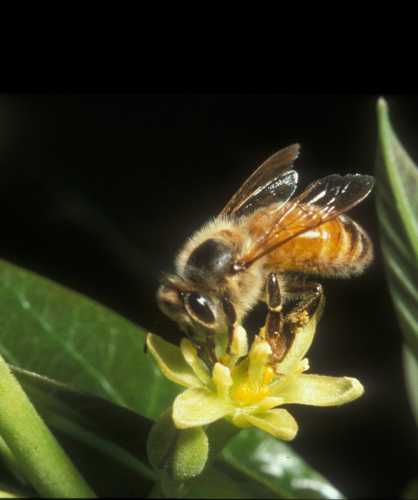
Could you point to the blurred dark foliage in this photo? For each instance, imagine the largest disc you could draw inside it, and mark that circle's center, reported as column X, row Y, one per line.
column 98, row 192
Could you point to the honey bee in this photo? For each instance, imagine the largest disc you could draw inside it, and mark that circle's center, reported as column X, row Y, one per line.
column 261, row 247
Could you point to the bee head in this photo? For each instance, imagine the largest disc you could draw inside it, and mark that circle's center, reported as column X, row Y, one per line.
column 192, row 309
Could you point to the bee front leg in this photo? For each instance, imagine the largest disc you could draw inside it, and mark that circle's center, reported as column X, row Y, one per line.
column 231, row 319
column 273, row 327
column 210, row 347
column 237, row 342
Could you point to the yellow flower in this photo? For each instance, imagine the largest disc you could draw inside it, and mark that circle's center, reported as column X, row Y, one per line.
column 244, row 387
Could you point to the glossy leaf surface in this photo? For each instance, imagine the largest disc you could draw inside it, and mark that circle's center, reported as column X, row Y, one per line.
column 273, row 464
column 50, row 330
column 397, row 210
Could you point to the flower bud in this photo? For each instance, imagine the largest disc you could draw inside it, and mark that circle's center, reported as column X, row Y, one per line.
column 177, row 455
column 190, row 454
column 161, row 441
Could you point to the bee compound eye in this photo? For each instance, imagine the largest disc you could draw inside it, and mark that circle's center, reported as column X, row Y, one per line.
column 199, row 307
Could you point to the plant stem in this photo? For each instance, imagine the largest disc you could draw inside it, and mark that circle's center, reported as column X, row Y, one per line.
column 39, row 455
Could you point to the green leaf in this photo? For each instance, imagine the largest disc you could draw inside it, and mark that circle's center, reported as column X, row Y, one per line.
column 411, row 379
column 221, row 481
column 90, row 426
column 50, row 330
column 397, row 210
column 275, row 466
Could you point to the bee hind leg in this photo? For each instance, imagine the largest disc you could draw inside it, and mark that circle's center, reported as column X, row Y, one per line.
column 312, row 297
column 273, row 328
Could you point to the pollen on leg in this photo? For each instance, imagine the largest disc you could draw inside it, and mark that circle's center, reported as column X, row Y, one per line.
column 298, row 318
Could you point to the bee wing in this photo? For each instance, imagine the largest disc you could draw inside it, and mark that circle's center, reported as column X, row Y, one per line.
column 322, row 201
column 273, row 182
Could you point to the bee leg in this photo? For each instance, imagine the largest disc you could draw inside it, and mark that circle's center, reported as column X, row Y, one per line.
column 231, row 319
column 274, row 322
column 312, row 296
column 205, row 349
column 210, row 348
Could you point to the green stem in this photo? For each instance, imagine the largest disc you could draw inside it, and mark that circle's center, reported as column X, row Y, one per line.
column 40, row 457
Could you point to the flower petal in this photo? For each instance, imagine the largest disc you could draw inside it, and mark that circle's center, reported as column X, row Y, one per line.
column 268, row 403
column 191, row 357
column 198, row 407
column 279, row 423
column 319, row 390
column 304, row 336
column 171, row 362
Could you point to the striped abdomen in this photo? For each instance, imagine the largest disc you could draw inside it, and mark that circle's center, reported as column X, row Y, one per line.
column 339, row 247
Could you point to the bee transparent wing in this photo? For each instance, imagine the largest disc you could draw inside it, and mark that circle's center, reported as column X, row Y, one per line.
column 273, row 182
column 322, row 201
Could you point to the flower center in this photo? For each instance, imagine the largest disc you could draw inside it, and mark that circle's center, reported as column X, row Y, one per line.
column 247, row 393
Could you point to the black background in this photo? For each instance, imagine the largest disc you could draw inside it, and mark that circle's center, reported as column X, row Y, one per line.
column 99, row 191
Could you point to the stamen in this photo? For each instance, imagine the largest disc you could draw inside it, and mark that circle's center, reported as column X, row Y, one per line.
column 246, row 394
column 259, row 356
column 222, row 379
column 239, row 345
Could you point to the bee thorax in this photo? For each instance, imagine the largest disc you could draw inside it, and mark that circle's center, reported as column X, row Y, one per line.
column 211, row 258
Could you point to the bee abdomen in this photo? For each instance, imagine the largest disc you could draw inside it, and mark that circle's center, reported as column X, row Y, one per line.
column 356, row 252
